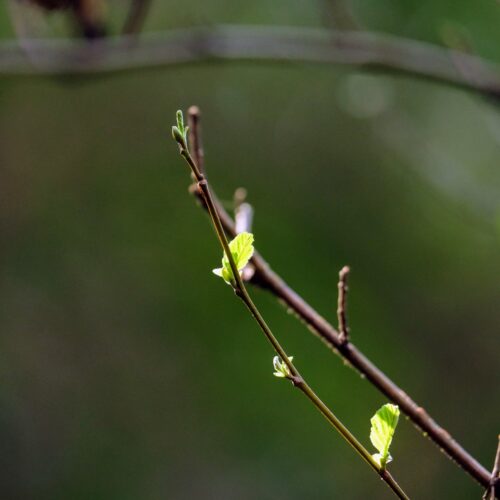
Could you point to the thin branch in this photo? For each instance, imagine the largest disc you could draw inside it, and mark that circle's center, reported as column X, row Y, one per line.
column 342, row 305
column 195, row 144
column 493, row 490
column 256, row 43
column 267, row 279
column 241, row 292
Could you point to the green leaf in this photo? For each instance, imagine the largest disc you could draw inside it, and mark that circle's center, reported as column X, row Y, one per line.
column 241, row 248
column 180, row 120
column 281, row 369
column 177, row 135
column 384, row 424
column 180, row 131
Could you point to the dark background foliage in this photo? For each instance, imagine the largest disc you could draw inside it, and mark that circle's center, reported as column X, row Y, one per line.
column 129, row 371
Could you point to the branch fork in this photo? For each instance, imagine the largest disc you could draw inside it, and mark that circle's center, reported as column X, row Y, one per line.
column 266, row 278
column 283, row 363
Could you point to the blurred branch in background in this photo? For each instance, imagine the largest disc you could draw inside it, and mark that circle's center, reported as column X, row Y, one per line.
column 267, row 279
column 254, row 43
column 88, row 16
column 136, row 16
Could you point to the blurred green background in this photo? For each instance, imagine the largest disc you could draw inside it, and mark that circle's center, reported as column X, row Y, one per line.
column 128, row 371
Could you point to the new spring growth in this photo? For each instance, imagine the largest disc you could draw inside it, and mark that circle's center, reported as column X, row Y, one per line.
column 179, row 132
column 281, row 369
column 384, row 424
column 236, row 255
column 241, row 248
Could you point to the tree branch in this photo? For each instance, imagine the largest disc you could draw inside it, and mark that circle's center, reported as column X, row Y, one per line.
column 290, row 371
column 267, row 279
column 255, row 43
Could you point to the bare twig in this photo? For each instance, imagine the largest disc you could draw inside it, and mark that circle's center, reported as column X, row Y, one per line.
column 195, row 144
column 291, row 373
column 493, row 490
column 266, row 278
column 342, row 305
column 257, row 43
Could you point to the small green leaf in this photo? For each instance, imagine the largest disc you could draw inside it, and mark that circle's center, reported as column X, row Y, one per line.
column 180, row 120
column 180, row 132
column 241, row 248
column 177, row 135
column 384, row 424
column 281, row 369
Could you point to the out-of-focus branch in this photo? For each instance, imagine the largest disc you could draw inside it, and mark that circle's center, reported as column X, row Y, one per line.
column 256, row 43
column 136, row 16
column 88, row 15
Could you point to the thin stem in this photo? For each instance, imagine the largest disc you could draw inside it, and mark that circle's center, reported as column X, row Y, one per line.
column 267, row 279
column 296, row 378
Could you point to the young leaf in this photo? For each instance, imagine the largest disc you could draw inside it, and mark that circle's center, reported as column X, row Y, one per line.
column 180, row 120
column 179, row 132
column 281, row 369
column 241, row 248
column 384, row 424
